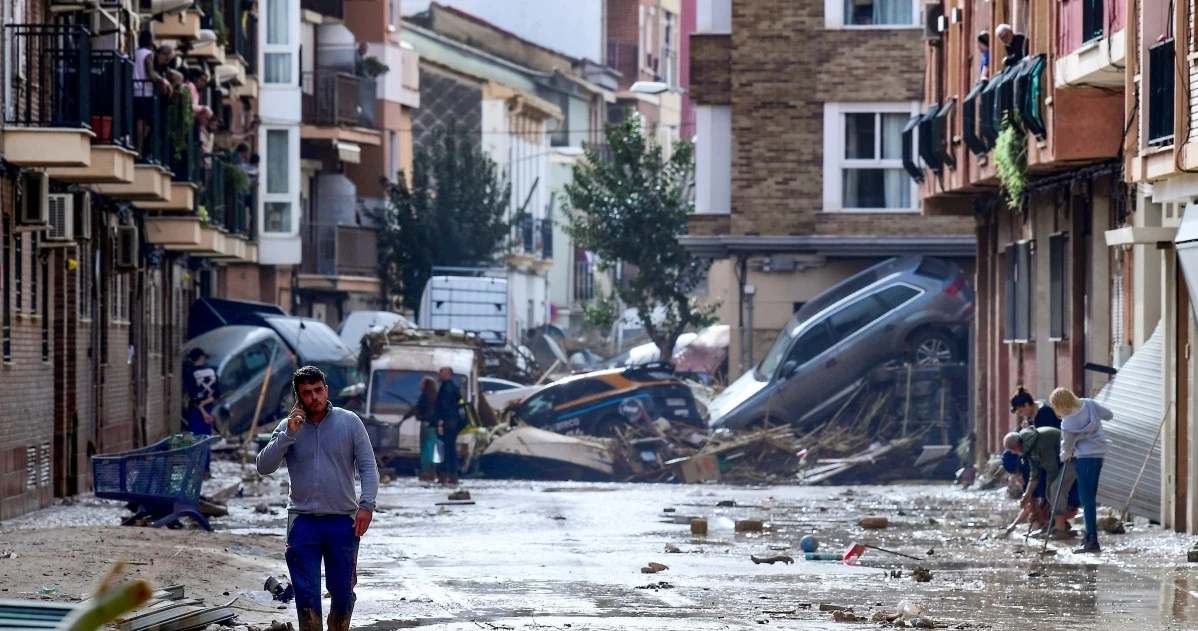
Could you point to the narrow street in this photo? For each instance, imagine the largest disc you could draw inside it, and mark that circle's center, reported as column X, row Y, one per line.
column 568, row 556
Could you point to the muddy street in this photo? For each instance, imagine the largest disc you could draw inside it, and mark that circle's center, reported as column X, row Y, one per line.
column 551, row 555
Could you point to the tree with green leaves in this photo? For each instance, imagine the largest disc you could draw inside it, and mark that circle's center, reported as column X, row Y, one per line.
column 451, row 214
column 629, row 203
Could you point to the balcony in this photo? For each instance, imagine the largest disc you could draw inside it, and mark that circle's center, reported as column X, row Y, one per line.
column 241, row 28
column 183, row 25
column 180, row 154
column 532, row 244
column 1160, row 93
column 49, row 122
column 340, row 258
column 340, row 107
column 327, row 8
column 111, row 122
column 151, row 145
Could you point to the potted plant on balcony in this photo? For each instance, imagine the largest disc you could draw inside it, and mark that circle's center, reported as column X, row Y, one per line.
column 1010, row 160
column 219, row 26
column 371, row 67
column 182, row 120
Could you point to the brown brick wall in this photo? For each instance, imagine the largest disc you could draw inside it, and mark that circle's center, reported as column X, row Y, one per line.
column 711, row 69
column 784, row 66
column 241, row 282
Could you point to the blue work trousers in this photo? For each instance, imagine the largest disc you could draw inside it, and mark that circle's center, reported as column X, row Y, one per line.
column 328, row 538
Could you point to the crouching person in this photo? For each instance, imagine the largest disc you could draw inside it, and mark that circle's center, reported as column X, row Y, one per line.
column 1041, row 446
column 324, row 447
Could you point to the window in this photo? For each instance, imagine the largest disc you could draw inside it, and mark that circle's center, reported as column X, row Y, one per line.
column 895, row 296
column 863, row 158
column 812, row 344
column 855, row 316
column 394, row 14
column 1020, row 262
column 45, row 263
column 84, row 274
column 393, row 155
column 278, row 205
column 7, row 264
column 872, row 13
column 1058, row 302
column 669, row 51
column 277, row 54
column 19, row 265
column 583, row 388
column 33, row 262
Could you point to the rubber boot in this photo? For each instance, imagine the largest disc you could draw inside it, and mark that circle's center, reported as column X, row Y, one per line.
column 338, row 621
column 1089, row 544
column 309, row 620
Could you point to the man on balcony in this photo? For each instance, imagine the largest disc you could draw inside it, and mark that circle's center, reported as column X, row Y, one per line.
column 1015, row 43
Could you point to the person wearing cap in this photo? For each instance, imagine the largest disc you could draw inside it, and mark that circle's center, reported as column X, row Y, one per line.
column 1041, row 446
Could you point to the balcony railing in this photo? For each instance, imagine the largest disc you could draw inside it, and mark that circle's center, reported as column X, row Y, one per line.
column 212, row 195
column 51, row 68
column 151, row 140
column 183, row 152
column 112, row 98
column 339, row 99
column 339, row 250
column 1160, row 93
column 584, row 281
column 242, row 29
column 251, row 43
column 331, row 8
column 546, row 239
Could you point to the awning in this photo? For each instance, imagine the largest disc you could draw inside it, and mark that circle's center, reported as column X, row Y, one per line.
column 1136, row 396
column 348, row 152
column 830, row 246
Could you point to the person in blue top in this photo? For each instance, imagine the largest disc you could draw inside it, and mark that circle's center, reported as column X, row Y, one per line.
column 1038, row 414
column 449, row 414
column 1084, row 444
column 984, row 49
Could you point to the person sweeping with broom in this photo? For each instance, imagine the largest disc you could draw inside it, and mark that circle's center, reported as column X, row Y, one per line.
column 1084, row 445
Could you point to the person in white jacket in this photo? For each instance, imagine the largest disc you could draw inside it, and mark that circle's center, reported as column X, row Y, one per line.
column 1084, row 446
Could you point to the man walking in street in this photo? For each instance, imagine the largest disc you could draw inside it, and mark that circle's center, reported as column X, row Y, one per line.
column 203, row 388
column 324, row 446
column 449, row 398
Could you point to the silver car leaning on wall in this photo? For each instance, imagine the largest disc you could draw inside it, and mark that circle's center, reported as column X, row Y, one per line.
column 916, row 308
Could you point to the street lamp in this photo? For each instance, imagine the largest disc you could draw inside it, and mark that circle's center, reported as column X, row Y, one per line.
column 650, row 87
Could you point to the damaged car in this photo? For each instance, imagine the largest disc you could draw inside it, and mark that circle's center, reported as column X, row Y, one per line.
column 914, row 308
column 589, row 404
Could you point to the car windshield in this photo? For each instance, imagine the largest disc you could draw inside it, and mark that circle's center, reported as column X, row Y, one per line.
column 396, row 391
column 769, row 365
column 339, row 377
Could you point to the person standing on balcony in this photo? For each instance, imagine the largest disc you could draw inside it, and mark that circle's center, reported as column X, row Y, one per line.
column 324, row 447
column 146, row 79
column 199, row 81
column 1015, row 43
column 984, row 49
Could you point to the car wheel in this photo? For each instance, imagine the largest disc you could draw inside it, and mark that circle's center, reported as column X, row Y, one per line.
column 606, row 427
column 933, row 347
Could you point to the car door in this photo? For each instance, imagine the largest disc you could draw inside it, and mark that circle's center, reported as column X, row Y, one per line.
column 800, row 379
column 865, row 330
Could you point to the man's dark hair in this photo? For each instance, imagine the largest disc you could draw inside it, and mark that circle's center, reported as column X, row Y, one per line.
column 306, row 376
column 195, row 354
column 255, row 159
column 243, row 148
column 984, row 37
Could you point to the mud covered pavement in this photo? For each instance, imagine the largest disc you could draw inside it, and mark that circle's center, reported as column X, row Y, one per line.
column 566, row 556
column 553, row 556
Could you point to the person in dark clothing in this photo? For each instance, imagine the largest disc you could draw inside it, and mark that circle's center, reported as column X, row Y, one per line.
column 1020, row 469
column 1040, row 414
column 449, row 400
column 1015, row 43
column 426, row 413
column 202, row 391
column 1041, row 446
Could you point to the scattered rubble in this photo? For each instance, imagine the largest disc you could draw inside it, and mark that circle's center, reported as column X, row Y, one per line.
column 874, row 523
column 922, row 575
column 672, row 549
column 845, row 616
column 657, row 586
column 698, row 526
column 750, row 525
column 654, row 568
column 782, row 558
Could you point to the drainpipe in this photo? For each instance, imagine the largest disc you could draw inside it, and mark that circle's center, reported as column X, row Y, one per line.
column 749, row 291
column 741, row 264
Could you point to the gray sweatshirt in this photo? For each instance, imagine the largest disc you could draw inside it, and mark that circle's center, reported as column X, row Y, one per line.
column 1081, row 432
column 321, row 461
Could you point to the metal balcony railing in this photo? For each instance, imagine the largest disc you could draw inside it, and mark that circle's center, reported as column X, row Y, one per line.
column 51, row 73
column 331, row 8
column 242, row 29
column 112, row 98
column 212, row 196
column 340, row 250
column 339, row 99
column 239, row 199
column 251, row 43
column 1160, row 93
column 546, row 238
column 151, row 140
column 584, row 281
column 183, row 152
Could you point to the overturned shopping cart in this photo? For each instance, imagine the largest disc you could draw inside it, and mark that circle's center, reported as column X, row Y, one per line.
column 161, row 481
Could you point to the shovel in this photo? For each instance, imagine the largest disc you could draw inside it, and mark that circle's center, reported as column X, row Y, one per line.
column 1052, row 514
column 857, row 549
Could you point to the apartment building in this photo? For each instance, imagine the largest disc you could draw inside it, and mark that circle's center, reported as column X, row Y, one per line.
column 114, row 220
column 799, row 112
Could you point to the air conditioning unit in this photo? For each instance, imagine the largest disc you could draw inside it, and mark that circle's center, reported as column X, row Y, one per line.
column 932, row 14
column 62, row 220
column 34, row 211
column 127, row 249
column 83, row 216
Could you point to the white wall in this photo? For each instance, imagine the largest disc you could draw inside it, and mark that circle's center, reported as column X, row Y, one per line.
column 713, row 159
column 714, row 16
column 573, row 27
column 280, row 107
